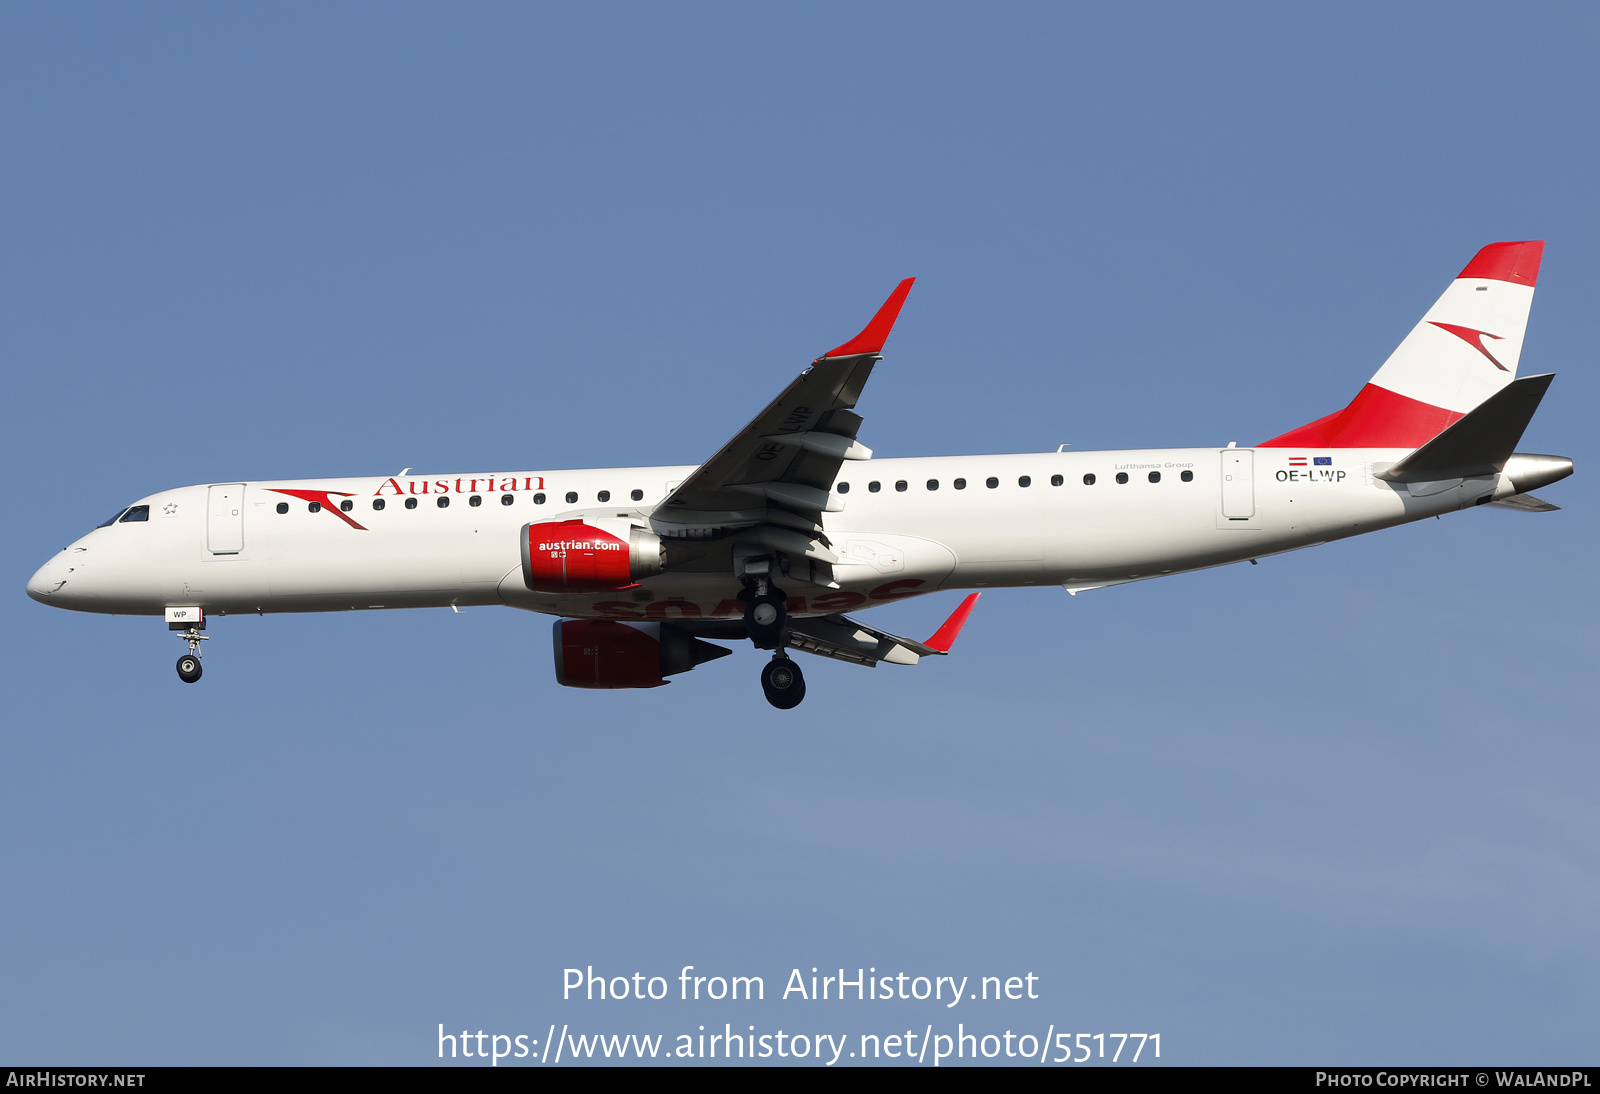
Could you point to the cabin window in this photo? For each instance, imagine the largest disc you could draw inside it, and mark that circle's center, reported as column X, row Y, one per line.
column 283, row 507
column 507, row 499
column 637, row 495
column 346, row 505
column 1187, row 476
column 1122, row 476
column 900, row 487
column 572, row 497
column 443, row 503
column 874, row 487
column 1056, row 480
column 604, row 495
column 411, row 503
column 1025, row 481
column 960, row 484
column 538, row 499
column 933, row 484
column 377, row 503
column 137, row 513
column 314, row 507
column 991, row 482
column 475, row 501
column 843, row 488
column 1155, row 476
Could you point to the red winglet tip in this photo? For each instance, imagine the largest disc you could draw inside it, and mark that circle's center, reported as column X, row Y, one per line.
column 945, row 636
column 1516, row 262
column 871, row 339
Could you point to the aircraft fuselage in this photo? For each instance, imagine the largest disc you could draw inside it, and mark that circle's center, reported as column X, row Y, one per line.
column 932, row 523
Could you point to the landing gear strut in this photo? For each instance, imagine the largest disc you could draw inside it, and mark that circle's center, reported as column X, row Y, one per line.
column 783, row 682
column 189, row 663
column 765, row 615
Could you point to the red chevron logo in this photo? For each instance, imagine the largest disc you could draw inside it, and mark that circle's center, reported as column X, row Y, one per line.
column 321, row 499
column 1473, row 338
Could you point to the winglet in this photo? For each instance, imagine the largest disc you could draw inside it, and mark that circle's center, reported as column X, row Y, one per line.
column 871, row 339
column 945, row 636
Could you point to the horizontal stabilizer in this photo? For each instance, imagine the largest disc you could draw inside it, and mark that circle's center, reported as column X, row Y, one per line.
column 1481, row 442
column 1525, row 503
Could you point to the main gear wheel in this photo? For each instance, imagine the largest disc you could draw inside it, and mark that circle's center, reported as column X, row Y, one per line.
column 783, row 683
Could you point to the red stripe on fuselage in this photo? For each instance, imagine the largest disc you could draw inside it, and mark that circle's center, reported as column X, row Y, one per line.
column 1375, row 418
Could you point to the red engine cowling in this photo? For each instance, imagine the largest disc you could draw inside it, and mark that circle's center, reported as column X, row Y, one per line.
column 575, row 556
column 600, row 653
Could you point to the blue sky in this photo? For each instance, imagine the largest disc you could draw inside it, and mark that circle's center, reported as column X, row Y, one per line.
column 1335, row 808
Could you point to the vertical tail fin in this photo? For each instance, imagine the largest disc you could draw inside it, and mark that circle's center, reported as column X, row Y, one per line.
column 1463, row 351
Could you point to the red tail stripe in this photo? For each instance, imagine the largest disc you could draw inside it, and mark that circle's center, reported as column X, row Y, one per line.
column 1517, row 262
column 1375, row 418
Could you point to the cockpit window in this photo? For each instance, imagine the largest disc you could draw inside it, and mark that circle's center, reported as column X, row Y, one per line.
column 112, row 519
column 138, row 512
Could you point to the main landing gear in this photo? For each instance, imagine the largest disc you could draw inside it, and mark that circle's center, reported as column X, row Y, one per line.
column 783, row 682
column 766, row 618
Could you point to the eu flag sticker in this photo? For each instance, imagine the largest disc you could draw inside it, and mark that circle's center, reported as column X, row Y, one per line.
column 1322, row 461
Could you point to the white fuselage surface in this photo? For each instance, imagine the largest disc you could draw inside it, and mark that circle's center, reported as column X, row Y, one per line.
column 932, row 523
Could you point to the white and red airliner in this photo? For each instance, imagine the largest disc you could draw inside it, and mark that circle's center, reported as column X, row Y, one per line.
column 793, row 523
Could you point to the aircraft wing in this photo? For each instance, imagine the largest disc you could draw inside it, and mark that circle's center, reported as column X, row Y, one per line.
column 775, row 475
column 846, row 639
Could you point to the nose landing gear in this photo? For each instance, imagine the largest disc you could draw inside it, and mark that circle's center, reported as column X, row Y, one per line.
column 783, row 682
column 189, row 663
column 188, row 622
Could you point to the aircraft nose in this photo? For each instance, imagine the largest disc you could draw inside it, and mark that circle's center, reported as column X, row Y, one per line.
column 48, row 580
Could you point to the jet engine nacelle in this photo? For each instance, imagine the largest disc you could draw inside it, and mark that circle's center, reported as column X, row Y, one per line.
column 600, row 653
column 588, row 556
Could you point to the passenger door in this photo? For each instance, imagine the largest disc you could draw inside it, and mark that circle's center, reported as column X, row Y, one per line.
column 225, row 519
column 1238, row 484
